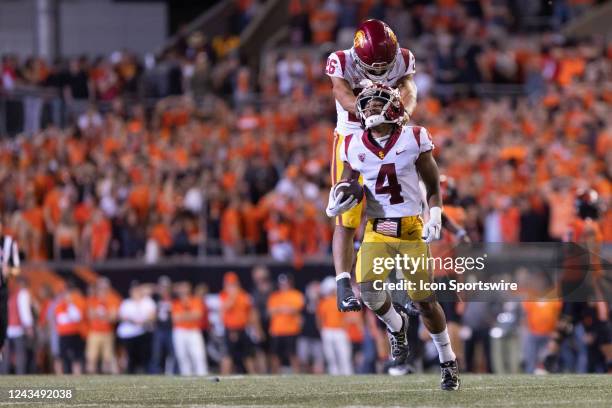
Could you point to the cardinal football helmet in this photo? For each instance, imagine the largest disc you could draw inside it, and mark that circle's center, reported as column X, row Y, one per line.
column 375, row 49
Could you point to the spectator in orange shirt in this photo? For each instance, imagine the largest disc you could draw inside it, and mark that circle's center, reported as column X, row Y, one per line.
column 19, row 322
column 285, row 307
column 102, row 309
column 230, row 229
column 541, row 319
column 97, row 233
column 237, row 316
column 201, row 292
column 69, row 314
column 66, row 237
column 336, row 344
column 189, row 345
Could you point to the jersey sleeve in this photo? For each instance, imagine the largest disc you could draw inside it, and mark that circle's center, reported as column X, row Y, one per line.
column 335, row 64
column 425, row 142
column 409, row 62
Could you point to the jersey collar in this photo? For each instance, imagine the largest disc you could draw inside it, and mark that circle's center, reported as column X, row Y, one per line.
column 378, row 151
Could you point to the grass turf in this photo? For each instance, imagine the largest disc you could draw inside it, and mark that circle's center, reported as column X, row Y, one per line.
column 318, row 391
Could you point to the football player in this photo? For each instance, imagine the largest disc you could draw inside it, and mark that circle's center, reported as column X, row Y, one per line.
column 391, row 157
column 374, row 58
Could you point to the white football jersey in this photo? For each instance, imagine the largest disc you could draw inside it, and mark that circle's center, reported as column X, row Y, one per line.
column 341, row 64
column 390, row 178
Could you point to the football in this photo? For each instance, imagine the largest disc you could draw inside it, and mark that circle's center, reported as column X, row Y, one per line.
column 350, row 187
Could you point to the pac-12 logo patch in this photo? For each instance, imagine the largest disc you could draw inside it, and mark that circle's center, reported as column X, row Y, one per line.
column 361, row 157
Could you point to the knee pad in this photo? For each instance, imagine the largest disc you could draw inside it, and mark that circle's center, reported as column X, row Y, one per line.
column 372, row 298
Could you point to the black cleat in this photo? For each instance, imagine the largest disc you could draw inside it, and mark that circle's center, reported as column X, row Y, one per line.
column 450, row 376
column 347, row 301
column 399, row 345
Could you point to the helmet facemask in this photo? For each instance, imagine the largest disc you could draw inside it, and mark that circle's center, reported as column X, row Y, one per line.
column 392, row 110
column 377, row 72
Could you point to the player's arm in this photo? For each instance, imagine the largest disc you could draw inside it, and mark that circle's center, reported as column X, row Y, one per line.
column 343, row 254
column 408, row 93
column 348, row 173
column 344, row 94
column 428, row 170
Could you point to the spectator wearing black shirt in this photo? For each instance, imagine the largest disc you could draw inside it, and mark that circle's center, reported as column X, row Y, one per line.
column 77, row 87
column 261, row 293
column 309, row 347
column 162, row 360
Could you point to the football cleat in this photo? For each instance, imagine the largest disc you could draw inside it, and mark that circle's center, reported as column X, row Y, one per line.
column 399, row 341
column 347, row 301
column 450, row 376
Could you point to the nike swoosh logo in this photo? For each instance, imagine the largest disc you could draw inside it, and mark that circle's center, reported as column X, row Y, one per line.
column 400, row 151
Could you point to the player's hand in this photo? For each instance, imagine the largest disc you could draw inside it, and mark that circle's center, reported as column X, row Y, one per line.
column 336, row 205
column 366, row 83
column 431, row 230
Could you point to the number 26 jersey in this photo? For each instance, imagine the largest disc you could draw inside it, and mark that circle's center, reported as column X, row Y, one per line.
column 390, row 178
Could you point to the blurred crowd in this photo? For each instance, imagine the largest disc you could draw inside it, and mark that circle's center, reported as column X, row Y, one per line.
column 195, row 153
column 172, row 328
column 230, row 178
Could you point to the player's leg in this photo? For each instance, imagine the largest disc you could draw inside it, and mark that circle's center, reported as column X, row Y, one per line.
column 342, row 248
column 396, row 320
column 435, row 322
column 342, row 240
column 377, row 300
column 430, row 310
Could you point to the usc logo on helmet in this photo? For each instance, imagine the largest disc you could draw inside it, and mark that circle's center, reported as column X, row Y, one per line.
column 359, row 40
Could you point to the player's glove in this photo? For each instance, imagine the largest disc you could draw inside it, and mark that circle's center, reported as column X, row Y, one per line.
column 335, row 204
column 431, row 230
column 366, row 83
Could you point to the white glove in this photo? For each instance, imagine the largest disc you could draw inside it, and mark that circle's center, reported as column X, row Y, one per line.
column 335, row 205
column 431, row 230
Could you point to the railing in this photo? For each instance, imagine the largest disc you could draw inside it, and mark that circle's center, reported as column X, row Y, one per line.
column 502, row 259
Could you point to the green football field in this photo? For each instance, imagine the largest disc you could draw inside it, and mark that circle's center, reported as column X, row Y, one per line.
column 317, row 391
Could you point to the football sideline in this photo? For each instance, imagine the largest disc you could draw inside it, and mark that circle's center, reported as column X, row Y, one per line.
column 316, row 391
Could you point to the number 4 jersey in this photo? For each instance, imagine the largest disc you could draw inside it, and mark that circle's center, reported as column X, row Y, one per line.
column 390, row 178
